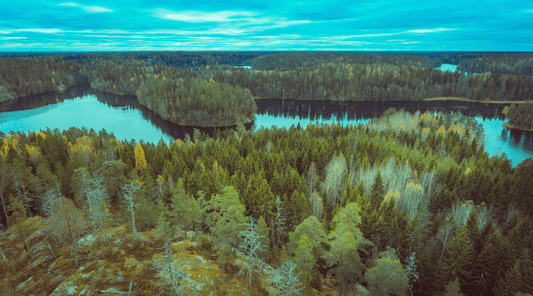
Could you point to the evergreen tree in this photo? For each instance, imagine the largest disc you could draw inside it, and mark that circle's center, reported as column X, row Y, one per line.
column 304, row 257
column 511, row 283
column 458, row 261
column 428, row 273
column 484, row 275
column 263, row 230
column 377, row 193
column 314, row 231
column 387, row 277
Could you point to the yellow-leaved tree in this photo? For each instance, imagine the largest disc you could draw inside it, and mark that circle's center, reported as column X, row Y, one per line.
column 140, row 160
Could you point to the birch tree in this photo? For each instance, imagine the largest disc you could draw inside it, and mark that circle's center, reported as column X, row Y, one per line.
column 333, row 183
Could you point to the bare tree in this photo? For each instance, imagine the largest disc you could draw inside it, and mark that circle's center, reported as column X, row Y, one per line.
column 317, row 205
column 251, row 246
column 286, row 280
column 311, row 178
column 128, row 193
column 67, row 223
column 173, row 276
column 333, row 183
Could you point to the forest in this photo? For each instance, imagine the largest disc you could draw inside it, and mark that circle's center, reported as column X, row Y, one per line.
column 204, row 89
column 406, row 204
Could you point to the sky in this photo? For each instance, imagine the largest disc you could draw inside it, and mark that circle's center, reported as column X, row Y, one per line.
column 251, row 25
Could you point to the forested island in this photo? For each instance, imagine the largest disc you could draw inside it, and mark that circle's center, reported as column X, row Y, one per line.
column 405, row 204
column 203, row 89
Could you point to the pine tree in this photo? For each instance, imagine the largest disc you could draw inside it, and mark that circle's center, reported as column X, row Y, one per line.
column 387, row 277
column 304, row 257
column 231, row 219
column 314, row 231
column 185, row 210
column 343, row 255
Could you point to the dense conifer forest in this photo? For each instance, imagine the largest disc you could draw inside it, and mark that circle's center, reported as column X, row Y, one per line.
column 405, row 204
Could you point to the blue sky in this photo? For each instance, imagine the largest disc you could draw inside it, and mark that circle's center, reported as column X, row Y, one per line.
column 30, row 25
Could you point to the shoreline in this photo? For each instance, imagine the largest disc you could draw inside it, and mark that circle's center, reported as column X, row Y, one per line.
column 423, row 100
column 9, row 101
column 509, row 126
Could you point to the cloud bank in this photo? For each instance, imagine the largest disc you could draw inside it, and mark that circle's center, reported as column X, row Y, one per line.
column 267, row 25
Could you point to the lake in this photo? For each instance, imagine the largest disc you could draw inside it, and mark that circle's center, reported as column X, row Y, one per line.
column 126, row 119
column 449, row 67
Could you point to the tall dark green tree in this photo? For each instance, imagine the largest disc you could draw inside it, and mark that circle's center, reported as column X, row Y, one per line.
column 458, row 260
column 378, row 191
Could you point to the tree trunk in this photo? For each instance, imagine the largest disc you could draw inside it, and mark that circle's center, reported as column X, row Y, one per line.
column 75, row 252
column 23, row 238
column 134, row 230
column 5, row 210
column 103, row 236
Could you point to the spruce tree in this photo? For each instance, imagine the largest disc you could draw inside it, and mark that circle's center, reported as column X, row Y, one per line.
column 484, row 275
column 377, row 193
column 458, row 261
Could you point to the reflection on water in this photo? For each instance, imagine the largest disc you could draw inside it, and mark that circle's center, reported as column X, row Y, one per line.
column 285, row 113
column 83, row 107
column 126, row 119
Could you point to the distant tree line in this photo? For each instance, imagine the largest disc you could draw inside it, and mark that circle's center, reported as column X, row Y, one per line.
column 378, row 82
column 510, row 63
column 189, row 88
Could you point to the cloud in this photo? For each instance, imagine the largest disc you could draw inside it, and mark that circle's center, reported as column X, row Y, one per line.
column 89, row 9
column 201, row 16
column 423, row 31
column 44, row 31
column 9, row 38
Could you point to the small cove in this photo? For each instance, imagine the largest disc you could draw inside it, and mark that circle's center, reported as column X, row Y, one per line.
column 127, row 120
